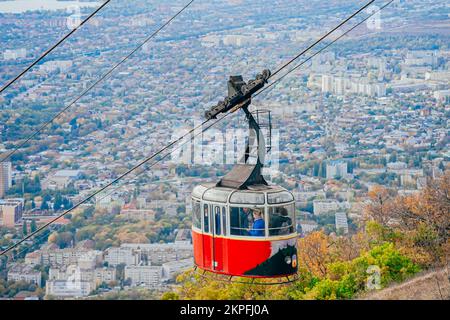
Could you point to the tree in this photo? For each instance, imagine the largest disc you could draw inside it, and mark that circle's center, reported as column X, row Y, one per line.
column 419, row 223
column 63, row 239
column 66, row 203
column 170, row 296
column 313, row 253
column 24, row 228
column 58, row 202
column 33, row 226
column 52, row 238
column 379, row 206
column 428, row 216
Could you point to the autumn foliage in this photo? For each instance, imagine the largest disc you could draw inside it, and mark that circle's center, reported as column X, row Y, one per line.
column 418, row 223
column 399, row 236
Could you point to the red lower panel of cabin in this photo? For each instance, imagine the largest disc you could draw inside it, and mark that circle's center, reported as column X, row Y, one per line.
column 245, row 257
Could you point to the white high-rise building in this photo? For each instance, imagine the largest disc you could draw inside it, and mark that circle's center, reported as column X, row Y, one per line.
column 11, row 212
column 441, row 95
column 327, row 83
column 170, row 269
column 5, row 178
column 64, row 288
column 339, row 86
column 149, row 276
column 380, row 90
column 25, row 273
column 128, row 256
column 341, row 221
column 337, row 169
column 324, row 206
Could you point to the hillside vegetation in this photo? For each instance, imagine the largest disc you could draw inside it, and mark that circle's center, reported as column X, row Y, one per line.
column 399, row 237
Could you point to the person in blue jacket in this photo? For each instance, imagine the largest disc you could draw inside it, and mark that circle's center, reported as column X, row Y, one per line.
column 258, row 228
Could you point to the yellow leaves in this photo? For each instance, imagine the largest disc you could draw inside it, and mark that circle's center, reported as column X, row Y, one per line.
column 378, row 194
column 380, row 205
column 325, row 290
column 417, row 223
column 375, row 231
column 170, row 296
column 132, row 237
column 53, row 237
column 217, row 287
column 313, row 253
column 102, row 233
column 417, row 255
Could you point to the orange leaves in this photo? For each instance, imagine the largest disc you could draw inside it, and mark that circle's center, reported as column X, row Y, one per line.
column 379, row 194
column 314, row 253
column 380, row 205
column 423, row 218
column 431, row 207
column 132, row 237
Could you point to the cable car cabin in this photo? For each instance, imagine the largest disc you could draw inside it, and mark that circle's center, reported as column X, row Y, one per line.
column 241, row 225
column 246, row 233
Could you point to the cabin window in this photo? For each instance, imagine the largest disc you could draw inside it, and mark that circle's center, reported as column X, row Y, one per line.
column 244, row 222
column 247, row 197
column 224, row 221
column 205, row 219
column 279, row 197
column 196, row 214
column 281, row 220
column 217, row 218
column 216, row 195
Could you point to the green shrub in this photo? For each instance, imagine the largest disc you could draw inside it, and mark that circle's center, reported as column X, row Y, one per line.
column 345, row 279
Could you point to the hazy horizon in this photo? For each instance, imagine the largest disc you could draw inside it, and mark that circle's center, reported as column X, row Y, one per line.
column 21, row 6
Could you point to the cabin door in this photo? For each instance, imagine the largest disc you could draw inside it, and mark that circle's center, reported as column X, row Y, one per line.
column 218, row 219
column 207, row 237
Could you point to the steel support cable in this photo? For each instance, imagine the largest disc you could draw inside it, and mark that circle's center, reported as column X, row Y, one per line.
column 272, row 84
column 93, row 85
column 264, row 89
column 282, row 77
column 167, row 154
column 145, row 161
column 203, row 100
column 140, row 164
column 321, row 38
column 46, row 53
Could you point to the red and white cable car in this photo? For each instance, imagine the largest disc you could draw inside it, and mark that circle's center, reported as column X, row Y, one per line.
column 226, row 241
column 242, row 226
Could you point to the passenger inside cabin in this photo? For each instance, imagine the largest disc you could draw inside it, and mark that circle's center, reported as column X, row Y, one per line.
column 280, row 222
column 247, row 217
column 259, row 226
column 241, row 219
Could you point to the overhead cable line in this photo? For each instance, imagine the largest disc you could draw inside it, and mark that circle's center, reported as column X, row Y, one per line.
column 145, row 161
column 271, row 85
column 143, row 170
column 60, row 113
column 46, row 53
column 320, row 39
column 140, row 164
column 324, row 48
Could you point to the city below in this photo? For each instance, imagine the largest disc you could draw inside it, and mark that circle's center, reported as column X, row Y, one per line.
column 358, row 133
